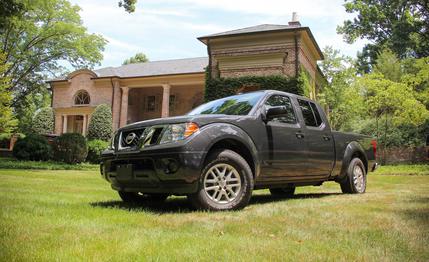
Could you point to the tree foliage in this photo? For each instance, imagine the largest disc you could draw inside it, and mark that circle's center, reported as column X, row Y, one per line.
column 43, row 121
column 100, row 125
column 137, row 58
column 7, row 120
column 37, row 39
column 128, row 5
column 339, row 96
column 400, row 25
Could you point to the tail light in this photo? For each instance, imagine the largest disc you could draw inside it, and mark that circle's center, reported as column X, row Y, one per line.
column 374, row 147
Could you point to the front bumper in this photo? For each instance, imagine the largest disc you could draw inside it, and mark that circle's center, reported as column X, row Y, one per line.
column 165, row 171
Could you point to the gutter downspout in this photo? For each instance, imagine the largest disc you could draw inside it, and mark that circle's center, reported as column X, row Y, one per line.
column 296, row 55
column 113, row 96
column 210, row 59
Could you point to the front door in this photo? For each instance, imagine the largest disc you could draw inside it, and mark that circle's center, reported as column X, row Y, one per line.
column 286, row 154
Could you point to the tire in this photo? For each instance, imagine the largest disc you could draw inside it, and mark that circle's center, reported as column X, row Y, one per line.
column 287, row 192
column 135, row 197
column 355, row 180
column 226, row 183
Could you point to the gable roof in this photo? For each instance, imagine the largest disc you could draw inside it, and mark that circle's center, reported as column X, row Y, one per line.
column 153, row 68
column 264, row 28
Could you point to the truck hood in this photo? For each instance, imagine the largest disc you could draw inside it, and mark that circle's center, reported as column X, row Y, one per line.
column 200, row 120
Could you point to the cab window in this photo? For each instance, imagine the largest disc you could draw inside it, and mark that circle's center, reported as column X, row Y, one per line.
column 310, row 113
column 279, row 100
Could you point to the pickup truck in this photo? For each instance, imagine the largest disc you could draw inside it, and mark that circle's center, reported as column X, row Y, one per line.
column 221, row 151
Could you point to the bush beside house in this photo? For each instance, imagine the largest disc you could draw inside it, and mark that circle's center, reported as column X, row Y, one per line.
column 95, row 147
column 100, row 125
column 43, row 121
column 32, row 147
column 70, row 148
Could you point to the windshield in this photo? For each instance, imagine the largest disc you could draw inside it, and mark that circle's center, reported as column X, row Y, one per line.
column 232, row 105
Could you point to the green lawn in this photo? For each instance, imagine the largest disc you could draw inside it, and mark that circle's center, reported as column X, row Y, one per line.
column 73, row 215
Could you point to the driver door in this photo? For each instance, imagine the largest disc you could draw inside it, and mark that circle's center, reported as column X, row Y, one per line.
column 286, row 149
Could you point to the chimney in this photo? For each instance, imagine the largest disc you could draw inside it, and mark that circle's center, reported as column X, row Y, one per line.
column 294, row 21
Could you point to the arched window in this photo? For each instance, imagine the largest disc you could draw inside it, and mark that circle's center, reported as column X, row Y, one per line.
column 82, row 98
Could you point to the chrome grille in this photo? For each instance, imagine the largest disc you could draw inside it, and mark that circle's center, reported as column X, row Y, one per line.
column 130, row 138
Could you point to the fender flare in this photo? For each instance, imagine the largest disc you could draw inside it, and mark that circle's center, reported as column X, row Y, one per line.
column 351, row 149
column 220, row 131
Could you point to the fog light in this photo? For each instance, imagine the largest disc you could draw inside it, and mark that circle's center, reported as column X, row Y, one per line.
column 169, row 165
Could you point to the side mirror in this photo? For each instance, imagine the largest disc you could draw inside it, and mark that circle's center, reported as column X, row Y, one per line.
column 276, row 111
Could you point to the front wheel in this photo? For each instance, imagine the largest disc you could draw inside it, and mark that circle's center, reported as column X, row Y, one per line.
column 355, row 180
column 226, row 183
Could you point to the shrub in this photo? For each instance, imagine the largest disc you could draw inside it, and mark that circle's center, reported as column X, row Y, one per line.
column 43, row 121
column 32, row 147
column 100, row 125
column 70, row 148
column 95, row 147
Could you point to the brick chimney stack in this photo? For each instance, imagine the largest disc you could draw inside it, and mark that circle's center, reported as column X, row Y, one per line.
column 294, row 21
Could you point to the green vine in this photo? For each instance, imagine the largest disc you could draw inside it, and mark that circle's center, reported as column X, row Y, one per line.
column 222, row 87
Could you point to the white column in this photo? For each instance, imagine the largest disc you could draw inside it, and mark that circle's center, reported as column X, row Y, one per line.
column 64, row 124
column 124, row 106
column 165, row 109
column 84, row 125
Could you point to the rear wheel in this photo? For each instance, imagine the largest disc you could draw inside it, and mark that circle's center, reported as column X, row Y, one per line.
column 226, row 183
column 283, row 192
column 355, row 180
column 136, row 197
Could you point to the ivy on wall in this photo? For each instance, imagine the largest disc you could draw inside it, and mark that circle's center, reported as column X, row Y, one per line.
column 222, row 87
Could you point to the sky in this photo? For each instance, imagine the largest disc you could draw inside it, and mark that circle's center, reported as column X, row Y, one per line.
column 167, row 29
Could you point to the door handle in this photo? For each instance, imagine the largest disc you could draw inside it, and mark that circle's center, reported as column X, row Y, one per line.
column 326, row 138
column 299, row 135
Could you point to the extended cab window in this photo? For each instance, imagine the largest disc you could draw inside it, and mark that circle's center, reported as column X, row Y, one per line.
column 278, row 100
column 310, row 113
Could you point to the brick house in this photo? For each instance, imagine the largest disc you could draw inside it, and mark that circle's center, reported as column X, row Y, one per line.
column 155, row 89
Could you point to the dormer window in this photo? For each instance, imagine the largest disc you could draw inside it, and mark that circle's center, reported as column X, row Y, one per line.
column 82, row 98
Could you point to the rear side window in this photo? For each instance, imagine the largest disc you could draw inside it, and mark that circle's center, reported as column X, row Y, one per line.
column 278, row 100
column 310, row 113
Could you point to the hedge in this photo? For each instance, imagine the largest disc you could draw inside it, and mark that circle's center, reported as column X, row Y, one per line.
column 43, row 121
column 70, row 148
column 32, row 147
column 100, row 125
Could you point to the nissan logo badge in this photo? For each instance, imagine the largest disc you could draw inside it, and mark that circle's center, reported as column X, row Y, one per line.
column 130, row 138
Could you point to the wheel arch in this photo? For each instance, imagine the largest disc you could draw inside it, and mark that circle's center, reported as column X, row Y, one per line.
column 353, row 150
column 237, row 141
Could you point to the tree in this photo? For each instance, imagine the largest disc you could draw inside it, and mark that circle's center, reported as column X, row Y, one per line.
column 41, row 38
column 339, row 96
column 7, row 120
column 128, row 5
column 8, row 8
column 401, row 25
column 100, row 125
column 43, row 121
column 138, row 58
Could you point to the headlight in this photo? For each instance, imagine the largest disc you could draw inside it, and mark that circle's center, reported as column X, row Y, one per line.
column 176, row 132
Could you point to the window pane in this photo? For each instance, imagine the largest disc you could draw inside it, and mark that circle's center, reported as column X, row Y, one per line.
column 278, row 100
column 150, row 103
column 307, row 113
column 316, row 113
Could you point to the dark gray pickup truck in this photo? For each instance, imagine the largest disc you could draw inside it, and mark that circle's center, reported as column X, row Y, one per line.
column 223, row 150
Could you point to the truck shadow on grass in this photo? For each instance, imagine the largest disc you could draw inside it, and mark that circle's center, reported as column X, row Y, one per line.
column 182, row 205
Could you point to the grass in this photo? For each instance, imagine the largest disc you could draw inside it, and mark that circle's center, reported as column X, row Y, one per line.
column 74, row 215
column 12, row 163
column 403, row 170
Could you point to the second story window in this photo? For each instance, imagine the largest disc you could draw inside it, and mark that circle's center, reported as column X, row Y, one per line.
column 82, row 98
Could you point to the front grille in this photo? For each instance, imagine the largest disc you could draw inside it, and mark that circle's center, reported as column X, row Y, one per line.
column 131, row 138
column 137, row 138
